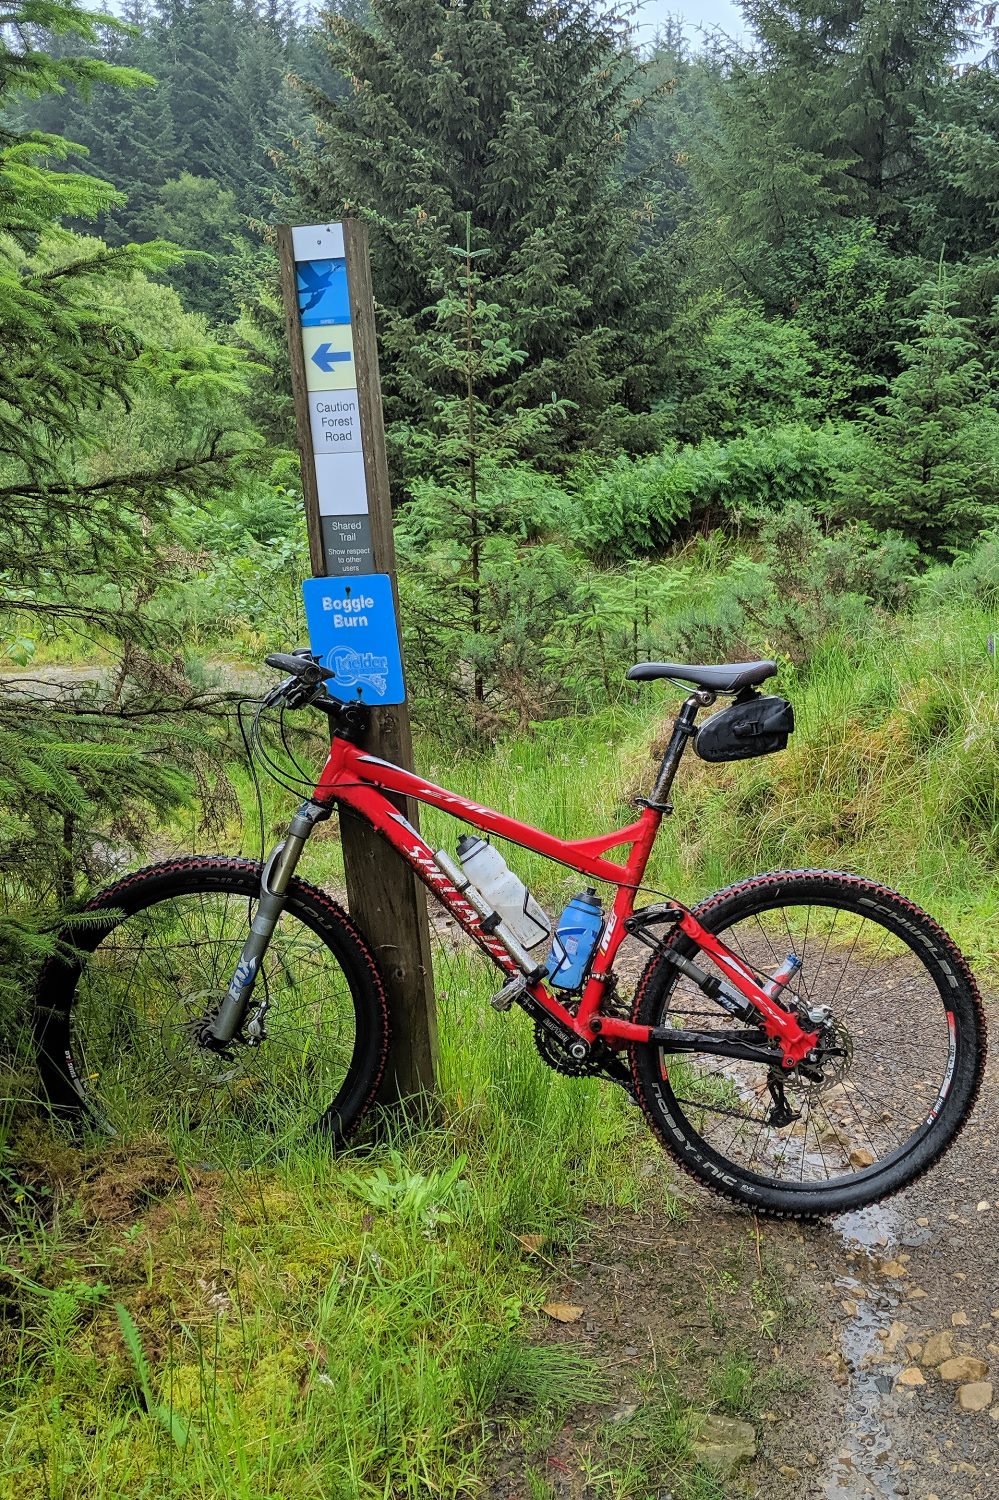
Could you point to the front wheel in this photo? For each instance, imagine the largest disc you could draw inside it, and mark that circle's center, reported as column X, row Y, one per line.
column 904, row 1048
column 119, row 1013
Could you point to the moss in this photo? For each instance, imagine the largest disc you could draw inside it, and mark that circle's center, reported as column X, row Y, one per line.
column 123, row 1180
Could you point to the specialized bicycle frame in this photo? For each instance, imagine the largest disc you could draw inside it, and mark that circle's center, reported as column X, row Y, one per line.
column 362, row 782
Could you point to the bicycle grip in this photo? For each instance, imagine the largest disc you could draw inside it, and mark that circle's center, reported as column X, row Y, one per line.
column 303, row 667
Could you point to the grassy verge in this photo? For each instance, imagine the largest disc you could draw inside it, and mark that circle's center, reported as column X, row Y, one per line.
column 893, row 772
column 359, row 1327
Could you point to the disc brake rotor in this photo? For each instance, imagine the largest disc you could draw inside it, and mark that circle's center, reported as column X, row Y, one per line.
column 179, row 1041
column 836, row 1059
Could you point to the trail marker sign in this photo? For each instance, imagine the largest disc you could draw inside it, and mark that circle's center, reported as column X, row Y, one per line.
column 318, row 302
column 352, row 630
column 330, row 318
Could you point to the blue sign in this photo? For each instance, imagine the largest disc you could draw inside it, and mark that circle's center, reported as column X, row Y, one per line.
column 352, row 631
column 322, row 292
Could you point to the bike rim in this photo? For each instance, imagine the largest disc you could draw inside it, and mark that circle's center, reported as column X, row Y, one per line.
column 871, row 1108
column 153, row 980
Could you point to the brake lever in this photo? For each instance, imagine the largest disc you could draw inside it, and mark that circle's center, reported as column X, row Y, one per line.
column 300, row 694
column 273, row 698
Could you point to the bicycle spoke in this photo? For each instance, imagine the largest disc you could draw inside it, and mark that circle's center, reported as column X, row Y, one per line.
column 154, row 979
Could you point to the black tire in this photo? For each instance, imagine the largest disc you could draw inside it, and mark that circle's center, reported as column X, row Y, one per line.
column 116, row 1011
column 920, row 1019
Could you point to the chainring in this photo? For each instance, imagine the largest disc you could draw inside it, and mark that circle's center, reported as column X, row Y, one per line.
column 555, row 1053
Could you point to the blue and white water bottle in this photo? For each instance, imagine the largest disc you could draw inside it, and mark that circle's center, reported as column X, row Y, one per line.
column 781, row 977
column 576, row 934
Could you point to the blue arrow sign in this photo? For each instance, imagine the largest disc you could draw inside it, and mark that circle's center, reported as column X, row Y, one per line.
column 326, row 358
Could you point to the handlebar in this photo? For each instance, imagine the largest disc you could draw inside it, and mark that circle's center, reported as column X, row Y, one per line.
column 301, row 664
column 304, row 688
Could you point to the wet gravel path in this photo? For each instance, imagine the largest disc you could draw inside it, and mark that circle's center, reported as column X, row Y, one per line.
column 912, row 1299
column 880, row 1327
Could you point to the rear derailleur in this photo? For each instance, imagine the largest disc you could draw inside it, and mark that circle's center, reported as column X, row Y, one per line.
column 780, row 1113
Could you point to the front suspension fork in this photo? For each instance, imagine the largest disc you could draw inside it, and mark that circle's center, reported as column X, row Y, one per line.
column 275, row 878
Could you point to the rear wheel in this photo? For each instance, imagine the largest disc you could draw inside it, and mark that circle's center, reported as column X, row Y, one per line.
column 903, row 1048
column 117, row 1018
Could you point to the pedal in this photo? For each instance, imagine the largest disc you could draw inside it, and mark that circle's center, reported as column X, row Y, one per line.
column 505, row 997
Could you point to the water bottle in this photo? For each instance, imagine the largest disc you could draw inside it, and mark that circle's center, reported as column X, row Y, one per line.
column 503, row 891
column 780, row 977
column 576, row 935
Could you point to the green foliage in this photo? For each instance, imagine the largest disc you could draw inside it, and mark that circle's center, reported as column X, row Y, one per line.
column 820, row 121
column 358, row 1321
column 824, row 585
column 190, row 147
column 196, row 211
column 471, row 512
column 740, row 370
column 644, row 504
column 169, row 1419
column 971, row 580
column 104, row 421
column 937, row 436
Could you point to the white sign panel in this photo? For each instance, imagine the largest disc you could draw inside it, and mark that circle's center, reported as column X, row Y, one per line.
column 341, row 484
column 318, row 241
column 336, row 427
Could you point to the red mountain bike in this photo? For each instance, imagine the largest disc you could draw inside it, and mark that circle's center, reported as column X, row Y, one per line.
column 804, row 1042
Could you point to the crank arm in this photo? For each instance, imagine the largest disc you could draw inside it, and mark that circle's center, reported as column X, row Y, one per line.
column 537, row 1012
column 611, row 1066
column 714, row 1044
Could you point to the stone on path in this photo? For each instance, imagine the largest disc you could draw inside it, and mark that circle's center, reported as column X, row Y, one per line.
column 963, row 1369
column 975, row 1397
column 938, row 1348
column 912, row 1376
column 723, row 1443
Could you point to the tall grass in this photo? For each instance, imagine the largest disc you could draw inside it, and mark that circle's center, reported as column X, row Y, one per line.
column 893, row 771
column 311, row 1327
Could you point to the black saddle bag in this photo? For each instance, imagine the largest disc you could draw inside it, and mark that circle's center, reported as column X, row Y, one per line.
column 751, row 726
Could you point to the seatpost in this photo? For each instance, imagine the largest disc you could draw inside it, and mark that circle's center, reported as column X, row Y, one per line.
column 684, row 726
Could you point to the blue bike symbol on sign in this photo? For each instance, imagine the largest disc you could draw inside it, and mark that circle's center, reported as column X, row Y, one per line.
column 322, row 292
column 360, row 667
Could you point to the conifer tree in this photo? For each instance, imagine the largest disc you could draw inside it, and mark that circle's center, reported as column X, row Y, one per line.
column 517, row 113
column 82, row 543
column 852, row 78
column 937, row 436
column 818, row 131
column 472, row 508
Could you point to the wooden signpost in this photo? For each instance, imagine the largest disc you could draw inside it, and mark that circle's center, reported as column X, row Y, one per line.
column 329, row 309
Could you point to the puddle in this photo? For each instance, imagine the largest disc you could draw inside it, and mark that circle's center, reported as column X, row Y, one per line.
column 865, row 1463
column 876, row 1228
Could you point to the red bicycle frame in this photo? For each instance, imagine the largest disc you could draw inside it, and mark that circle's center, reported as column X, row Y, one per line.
column 361, row 782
